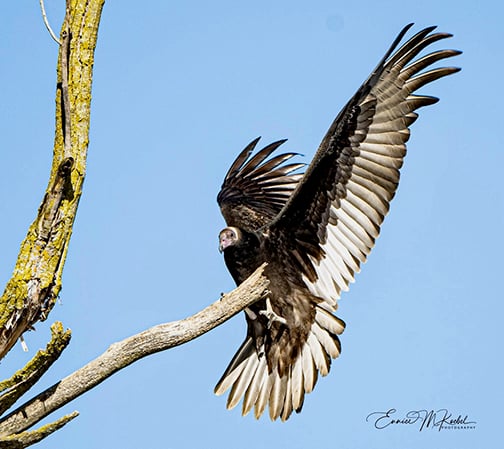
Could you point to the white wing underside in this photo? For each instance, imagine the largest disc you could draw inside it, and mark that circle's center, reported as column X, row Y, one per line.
column 361, row 201
column 379, row 148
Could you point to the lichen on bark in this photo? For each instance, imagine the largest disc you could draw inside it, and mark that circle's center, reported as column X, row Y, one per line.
column 35, row 284
column 22, row 380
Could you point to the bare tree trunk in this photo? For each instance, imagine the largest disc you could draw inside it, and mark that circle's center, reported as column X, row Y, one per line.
column 36, row 282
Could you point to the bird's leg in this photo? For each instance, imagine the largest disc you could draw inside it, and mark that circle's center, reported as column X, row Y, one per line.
column 257, row 329
column 271, row 315
column 250, row 313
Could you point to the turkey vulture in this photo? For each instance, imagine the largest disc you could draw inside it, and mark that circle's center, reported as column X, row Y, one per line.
column 315, row 229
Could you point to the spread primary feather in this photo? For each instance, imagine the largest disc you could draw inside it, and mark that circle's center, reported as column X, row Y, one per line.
column 315, row 230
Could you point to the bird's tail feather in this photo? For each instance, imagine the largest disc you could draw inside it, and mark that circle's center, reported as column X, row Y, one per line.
column 249, row 376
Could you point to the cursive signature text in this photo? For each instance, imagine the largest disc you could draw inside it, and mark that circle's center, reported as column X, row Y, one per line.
column 424, row 419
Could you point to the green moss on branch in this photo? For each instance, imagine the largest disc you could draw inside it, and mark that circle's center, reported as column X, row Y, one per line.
column 12, row 389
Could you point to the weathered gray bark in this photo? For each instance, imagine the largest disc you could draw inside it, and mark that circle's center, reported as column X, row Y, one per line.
column 124, row 353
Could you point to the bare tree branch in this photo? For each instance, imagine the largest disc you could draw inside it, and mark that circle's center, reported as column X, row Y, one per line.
column 12, row 389
column 36, row 281
column 25, row 439
column 46, row 22
column 124, row 353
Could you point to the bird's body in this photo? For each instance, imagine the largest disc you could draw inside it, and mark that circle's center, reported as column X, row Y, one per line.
column 314, row 230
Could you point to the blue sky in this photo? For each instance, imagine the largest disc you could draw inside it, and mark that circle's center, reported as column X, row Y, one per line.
column 179, row 89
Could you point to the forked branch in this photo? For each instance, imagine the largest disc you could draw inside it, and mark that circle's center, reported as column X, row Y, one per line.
column 120, row 355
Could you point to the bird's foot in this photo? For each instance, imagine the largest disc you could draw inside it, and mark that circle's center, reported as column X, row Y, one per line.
column 271, row 315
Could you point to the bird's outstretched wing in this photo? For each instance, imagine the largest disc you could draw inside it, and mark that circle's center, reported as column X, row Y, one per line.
column 331, row 221
column 256, row 188
column 327, row 228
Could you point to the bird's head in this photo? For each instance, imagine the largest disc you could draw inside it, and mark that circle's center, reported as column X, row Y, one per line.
column 228, row 237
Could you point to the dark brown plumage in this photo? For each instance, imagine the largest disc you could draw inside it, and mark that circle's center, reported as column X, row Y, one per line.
column 315, row 230
column 254, row 191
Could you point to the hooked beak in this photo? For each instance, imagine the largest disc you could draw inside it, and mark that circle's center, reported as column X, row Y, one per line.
column 223, row 243
column 228, row 237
